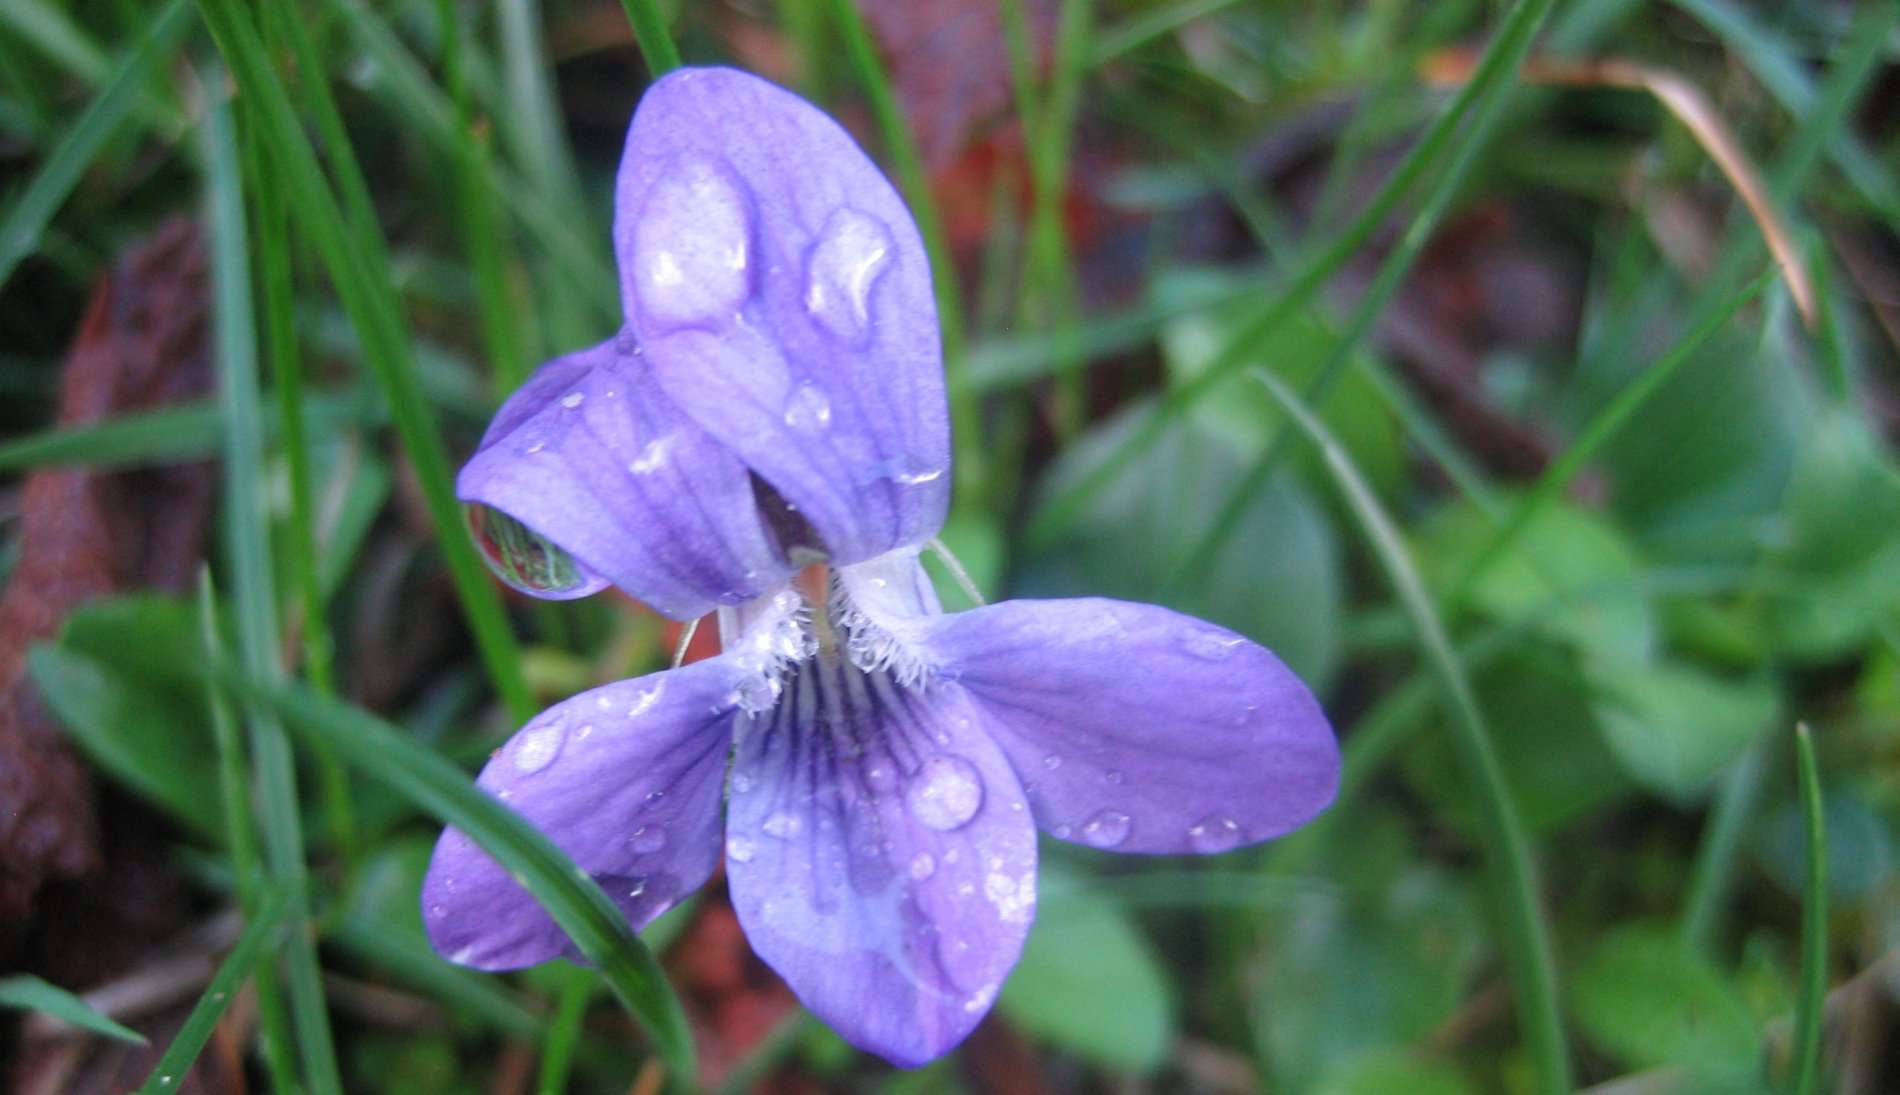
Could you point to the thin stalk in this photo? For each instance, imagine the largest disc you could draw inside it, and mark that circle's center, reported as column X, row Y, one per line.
column 564, row 1032
column 1720, row 850
column 280, row 340
column 248, row 546
column 971, row 462
column 240, row 835
column 1812, row 1003
column 1507, row 849
column 649, row 29
column 1499, row 63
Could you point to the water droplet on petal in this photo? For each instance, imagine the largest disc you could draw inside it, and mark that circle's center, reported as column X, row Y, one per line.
column 537, row 746
column 572, row 400
column 945, row 793
column 654, row 455
column 1052, row 762
column 784, row 825
column 1107, row 829
column 646, row 840
column 808, row 409
column 639, row 887
column 1216, row 834
column 741, row 783
column 525, row 559
column 922, row 866
column 1212, row 644
column 852, row 253
column 691, row 247
column 739, row 849
column 1112, row 776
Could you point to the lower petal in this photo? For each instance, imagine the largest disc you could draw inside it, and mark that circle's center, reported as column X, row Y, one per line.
column 625, row 779
column 881, row 857
column 1138, row 729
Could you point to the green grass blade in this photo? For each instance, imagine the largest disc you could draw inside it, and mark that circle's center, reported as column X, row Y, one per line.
column 410, row 961
column 59, row 173
column 362, row 279
column 876, row 83
column 240, row 827
column 28, row 993
column 1598, row 432
column 260, row 932
column 1721, row 849
column 1812, row 1003
column 443, row 791
column 649, row 29
column 564, row 1033
column 1150, row 24
column 166, row 435
column 1526, row 935
column 247, row 544
column 52, row 31
column 1498, row 63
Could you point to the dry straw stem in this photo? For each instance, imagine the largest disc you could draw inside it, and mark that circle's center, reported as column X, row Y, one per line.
column 1693, row 109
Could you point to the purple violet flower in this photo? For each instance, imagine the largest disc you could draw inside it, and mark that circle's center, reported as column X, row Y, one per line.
column 776, row 401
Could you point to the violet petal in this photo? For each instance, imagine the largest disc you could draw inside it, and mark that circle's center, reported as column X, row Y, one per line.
column 1138, row 729
column 783, row 296
column 591, row 454
column 881, row 857
column 626, row 779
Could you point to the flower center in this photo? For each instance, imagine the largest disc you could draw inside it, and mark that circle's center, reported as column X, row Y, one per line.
column 814, row 618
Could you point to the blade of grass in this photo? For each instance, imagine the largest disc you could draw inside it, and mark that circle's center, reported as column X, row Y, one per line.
column 1598, row 432
column 409, row 960
column 443, row 791
column 259, row 932
column 360, row 275
column 564, row 1032
column 247, row 544
column 26, row 992
column 53, row 32
column 1716, row 857
column 1139, row 30
column 875, row 82
column 240, row 827
column 1498, row 63
column 649, row 30
column 1507, row 849
column 1811, row 1005
column 29, row 215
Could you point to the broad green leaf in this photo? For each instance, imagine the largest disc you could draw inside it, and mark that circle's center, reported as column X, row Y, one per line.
column 1276, row 581
column 1649, row 1000
column 29, row 993
column 1674, row 726
column 1569, row 567
column 1090, row 983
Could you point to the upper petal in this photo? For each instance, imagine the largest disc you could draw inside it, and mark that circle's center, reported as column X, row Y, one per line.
column 881, row 857
column 783, row 295
column 592, row 455
column 1139, row 729
column 626, row 779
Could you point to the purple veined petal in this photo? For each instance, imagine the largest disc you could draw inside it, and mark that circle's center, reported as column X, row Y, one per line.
column 782, row 294
column 593, row 456
column 626, row 779
column 881, row 857
column 1137, row 729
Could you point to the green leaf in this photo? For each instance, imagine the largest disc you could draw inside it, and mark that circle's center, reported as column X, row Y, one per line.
column 1646, row 998
column 1277, row 581
column 1389, row 1071
column 1674, row 726
column 1568, row 566
column 29, row 993
column 192, row 1036
column 1090, row 983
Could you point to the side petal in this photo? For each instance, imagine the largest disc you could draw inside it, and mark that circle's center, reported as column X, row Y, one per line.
column 881, row 857
column 626, row 779
column 783, row 296
column 1139, row 729
column 593, row 456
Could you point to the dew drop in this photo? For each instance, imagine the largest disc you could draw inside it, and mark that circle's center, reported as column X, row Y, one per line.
column 525, row 559
column 852, row 253
column 1216, row 834
column 808, row 409
column 1213, row 644
column 646, row 840
column 537, row 746
column 783, row 825
column 572, row 400
column 639, row 887
column 654, row 455
column 1113, row 777
column 692, row 245
column 945, row 793
column 739, row 849
column 741, row 783
column 1052, row 762
column 1107, row 829
column 922, row 866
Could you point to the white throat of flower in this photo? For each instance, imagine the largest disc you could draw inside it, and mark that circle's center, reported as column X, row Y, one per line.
column 856, row 613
